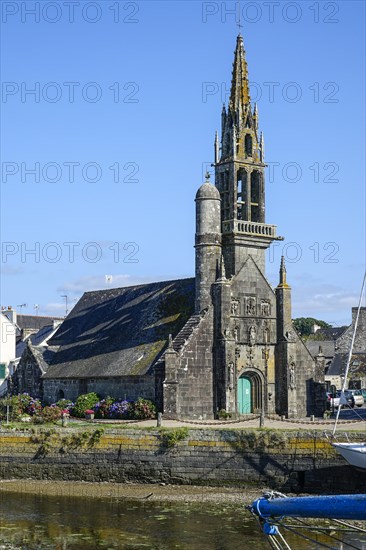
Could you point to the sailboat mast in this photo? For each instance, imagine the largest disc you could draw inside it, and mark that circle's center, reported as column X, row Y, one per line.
column 350, row 352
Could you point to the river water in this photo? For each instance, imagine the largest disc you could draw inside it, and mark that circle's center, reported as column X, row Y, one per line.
column 34, row 522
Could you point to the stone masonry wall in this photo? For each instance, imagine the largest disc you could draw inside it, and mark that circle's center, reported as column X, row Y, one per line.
column 344, row 342
column 27, row 377
column 289, row 461
column 124, row 387
column 194, row 373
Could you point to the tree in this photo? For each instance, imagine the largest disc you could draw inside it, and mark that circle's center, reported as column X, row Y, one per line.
column 305, row 325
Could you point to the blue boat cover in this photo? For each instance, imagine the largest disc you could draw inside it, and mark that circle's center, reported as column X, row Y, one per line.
column 330, row 506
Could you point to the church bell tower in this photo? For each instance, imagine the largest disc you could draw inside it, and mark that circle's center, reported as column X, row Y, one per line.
column 239, row 175
column 239, row 353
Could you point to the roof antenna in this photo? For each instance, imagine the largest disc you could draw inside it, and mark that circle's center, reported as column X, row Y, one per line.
column 66, row 303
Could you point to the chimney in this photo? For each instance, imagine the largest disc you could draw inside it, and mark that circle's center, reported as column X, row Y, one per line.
column 11, row 314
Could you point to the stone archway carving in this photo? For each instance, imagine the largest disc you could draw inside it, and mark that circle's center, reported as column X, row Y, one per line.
column 255, row 376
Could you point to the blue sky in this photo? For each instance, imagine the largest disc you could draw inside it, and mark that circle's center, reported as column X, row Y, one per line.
column 140, row 90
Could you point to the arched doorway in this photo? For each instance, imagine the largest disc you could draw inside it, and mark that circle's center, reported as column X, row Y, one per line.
column 250, row 393
column 244, row 395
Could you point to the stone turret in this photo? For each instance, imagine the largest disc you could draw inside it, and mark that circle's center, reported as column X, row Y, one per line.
column 288, row 355
column 283, row 294
column 207, row 242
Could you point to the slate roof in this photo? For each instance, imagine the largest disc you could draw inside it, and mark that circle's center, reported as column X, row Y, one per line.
column 121, row 331
column 20, row 347
column 331, row 333
column 35, row 321
column 43, row 355
column 357, row 365
column 328, row 347
column 36, row 338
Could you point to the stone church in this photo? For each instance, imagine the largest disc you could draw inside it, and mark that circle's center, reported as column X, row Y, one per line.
column 223, row 341
column 244, row 354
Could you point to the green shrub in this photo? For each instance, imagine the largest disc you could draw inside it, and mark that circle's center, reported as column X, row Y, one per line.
column 143, row 408
column 18, row 405
column 48, row 414
column 65, row 404
column 83, row 403
column 23, row 399
column 171, row 437
column 223, row 415
column 83, row 440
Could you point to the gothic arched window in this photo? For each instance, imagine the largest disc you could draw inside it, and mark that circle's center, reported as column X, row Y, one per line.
column 255, row 195
column 241, row 194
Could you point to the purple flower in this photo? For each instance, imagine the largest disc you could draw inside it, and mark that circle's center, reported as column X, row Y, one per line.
column 120, row 409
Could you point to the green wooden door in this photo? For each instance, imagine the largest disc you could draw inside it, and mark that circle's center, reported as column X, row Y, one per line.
column 244, row 395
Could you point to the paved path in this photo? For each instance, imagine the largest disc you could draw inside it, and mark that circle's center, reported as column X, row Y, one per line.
column 306, row 424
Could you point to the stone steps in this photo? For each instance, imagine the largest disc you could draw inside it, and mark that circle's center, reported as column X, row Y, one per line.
column 186, row 332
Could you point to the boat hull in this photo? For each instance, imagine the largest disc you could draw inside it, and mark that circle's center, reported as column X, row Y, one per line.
column 354, row 453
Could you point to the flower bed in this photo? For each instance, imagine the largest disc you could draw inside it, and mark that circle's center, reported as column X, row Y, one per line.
column 23, row 405
column 125, row 410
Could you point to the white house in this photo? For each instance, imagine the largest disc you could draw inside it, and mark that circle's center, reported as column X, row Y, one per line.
column 7, row 347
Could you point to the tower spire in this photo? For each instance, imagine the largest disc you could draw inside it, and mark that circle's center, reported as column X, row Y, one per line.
column 239, row 175
column 283, row 281
column 239, row 96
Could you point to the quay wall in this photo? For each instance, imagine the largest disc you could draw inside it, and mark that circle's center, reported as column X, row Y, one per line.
column 287, row 461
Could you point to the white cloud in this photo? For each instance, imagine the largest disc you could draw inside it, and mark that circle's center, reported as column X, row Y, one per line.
column 9, row 270
column 323, row 301
column 312, row 296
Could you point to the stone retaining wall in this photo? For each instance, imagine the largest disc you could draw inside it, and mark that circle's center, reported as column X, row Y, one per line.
column 287, row 461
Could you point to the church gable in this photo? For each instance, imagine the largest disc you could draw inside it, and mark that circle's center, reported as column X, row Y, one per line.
column 253, row 305
column 259, row 297
column 32, row 366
